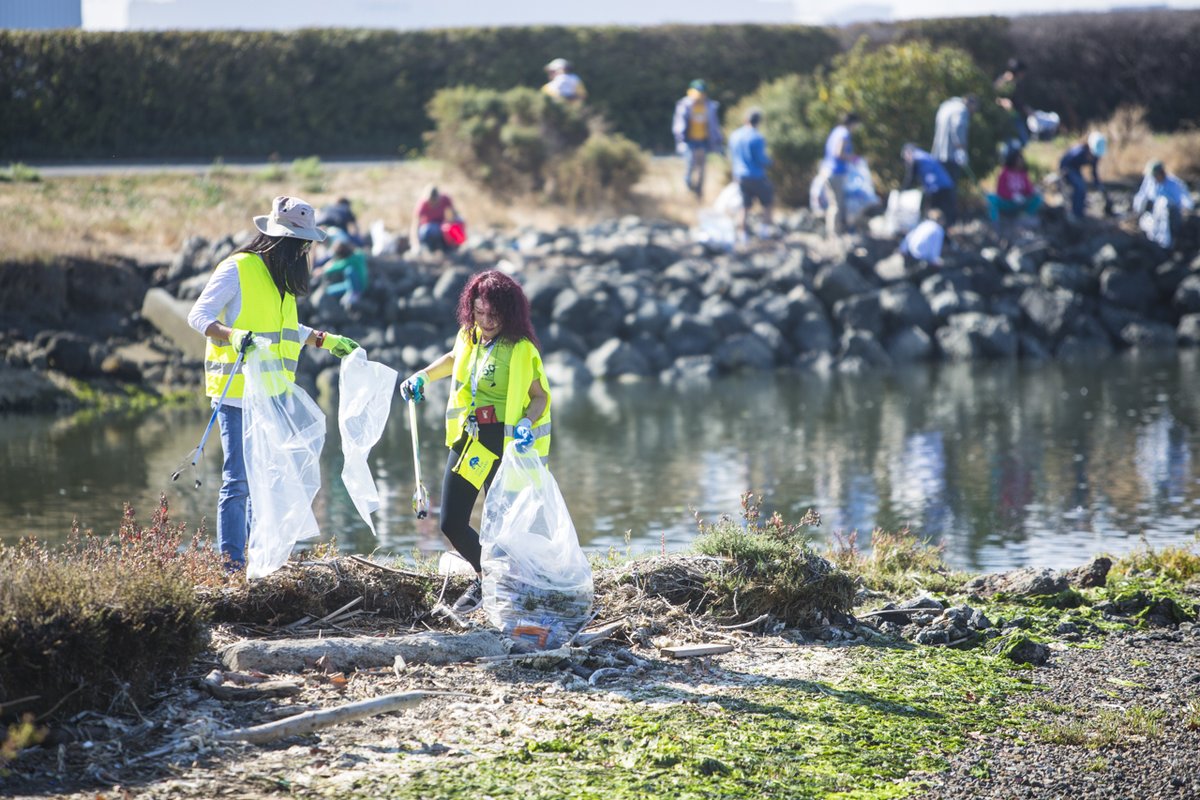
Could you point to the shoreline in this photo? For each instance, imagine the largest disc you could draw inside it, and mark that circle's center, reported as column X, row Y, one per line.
column 834, row 707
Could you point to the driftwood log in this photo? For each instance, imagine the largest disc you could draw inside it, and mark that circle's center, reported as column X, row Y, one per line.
column 310, row 721
column 294, row 655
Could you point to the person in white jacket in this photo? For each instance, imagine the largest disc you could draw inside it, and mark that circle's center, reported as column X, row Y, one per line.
column 1161, row 201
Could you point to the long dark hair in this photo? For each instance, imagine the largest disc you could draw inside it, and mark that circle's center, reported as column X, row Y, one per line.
column 508, row 301
column 286, row 258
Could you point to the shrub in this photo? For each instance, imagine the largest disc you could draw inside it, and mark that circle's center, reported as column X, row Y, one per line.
column 603, row 169
column 795, row 140
column 774, row 570
column 896, row 90
column 104, row 617
column 898, row 562
column 522, row 141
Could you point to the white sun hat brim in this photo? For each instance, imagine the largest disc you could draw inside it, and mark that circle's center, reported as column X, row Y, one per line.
column 275, row 228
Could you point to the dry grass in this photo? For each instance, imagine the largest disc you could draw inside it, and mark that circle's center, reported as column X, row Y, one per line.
column 147, row 216
column 1131, row 145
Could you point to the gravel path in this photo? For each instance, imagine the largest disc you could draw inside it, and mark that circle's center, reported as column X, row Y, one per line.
column 1155, row 671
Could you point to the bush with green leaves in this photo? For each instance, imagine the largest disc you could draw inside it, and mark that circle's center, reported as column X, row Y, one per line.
column 523, row 141
column 895, row 90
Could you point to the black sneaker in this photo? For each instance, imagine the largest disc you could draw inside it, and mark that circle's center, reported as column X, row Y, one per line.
column 470, row 600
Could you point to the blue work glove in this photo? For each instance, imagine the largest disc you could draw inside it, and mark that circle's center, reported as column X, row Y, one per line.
column 523, row 435
column 413, row 388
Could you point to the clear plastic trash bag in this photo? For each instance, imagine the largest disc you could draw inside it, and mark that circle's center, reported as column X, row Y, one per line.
column 365, row 390
column 537, row 583
column 284, row 431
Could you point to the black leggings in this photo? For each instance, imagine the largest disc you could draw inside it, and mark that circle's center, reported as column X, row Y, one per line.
column 458, row 495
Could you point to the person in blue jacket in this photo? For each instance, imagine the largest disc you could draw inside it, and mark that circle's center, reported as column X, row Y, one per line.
column 922, row 169
column 748, row 156
column 1084, row 154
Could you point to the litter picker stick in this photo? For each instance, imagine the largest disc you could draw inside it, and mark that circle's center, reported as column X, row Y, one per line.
column 193, row 458
column 420, row 500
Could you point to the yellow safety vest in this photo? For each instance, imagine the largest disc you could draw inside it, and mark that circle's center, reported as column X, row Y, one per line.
column 526, row 363
column 697, row 130
column 264, row 313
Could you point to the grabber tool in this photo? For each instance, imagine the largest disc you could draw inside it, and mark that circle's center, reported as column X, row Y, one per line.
column 193, row 458
column 420, row 500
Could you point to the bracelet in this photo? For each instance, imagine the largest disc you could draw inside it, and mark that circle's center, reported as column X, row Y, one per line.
column 320, row 337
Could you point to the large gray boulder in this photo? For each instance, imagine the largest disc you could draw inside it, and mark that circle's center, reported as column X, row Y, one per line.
column 1187, row 332
column 1051, row 313
column 564, row 368
column 1128, row 289
column 910, row 344
column 976, row 335
column 812, row 334
column 744, row 352
column 1186, row 299
column 860, row 312
column 688, row 370
column 1148, row 335
column 615, row 358
column 689, row 336
column 1072, row 277
column 169, row 317
column 861, row 346
column 903, row 306
column 450, row 283
column 836, row 282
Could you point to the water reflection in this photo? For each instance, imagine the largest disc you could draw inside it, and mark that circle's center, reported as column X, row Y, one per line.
column 1006, row 464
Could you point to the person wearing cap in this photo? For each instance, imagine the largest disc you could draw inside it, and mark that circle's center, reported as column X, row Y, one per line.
column 1010, row 96
column 749, row 160
column 499, row 395
column 252, row 296
column 839, row 155
column 1086, row 153
column 1161, row 201
column 562, row 83
column 927, row 173
column 697, row 130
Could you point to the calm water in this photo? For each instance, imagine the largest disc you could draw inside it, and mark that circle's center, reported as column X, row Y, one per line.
column 1006, row 464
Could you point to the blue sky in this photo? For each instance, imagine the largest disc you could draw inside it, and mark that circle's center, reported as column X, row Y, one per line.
column 124, row 14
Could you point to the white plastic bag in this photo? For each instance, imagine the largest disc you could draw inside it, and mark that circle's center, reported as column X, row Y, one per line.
column 537, row 583
column 365, row 391
column 729, row 201
column 860, row 190
column 903, row 211
column 284, row 431
column 716, row 229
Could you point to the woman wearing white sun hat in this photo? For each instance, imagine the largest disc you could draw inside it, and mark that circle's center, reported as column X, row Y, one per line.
column 252, row 295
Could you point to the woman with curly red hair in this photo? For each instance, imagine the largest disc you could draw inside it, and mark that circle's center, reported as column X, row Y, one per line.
column 499, row 394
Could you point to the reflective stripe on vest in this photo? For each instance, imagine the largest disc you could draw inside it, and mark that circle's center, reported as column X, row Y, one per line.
column 524, row 365
column 265, row 314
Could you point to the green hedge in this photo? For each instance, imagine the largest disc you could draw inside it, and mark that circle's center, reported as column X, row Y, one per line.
column 74, row 94
column 71, row 94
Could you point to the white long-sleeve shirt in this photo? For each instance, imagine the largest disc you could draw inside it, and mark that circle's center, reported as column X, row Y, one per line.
column 221, row 301
column 924, row 242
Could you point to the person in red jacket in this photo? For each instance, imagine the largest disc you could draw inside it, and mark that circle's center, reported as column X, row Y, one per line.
column 1015, row 193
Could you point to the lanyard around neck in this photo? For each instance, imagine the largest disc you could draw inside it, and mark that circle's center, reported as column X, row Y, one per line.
column 477, row 368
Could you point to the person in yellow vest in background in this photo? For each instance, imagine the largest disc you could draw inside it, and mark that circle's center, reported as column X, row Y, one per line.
column 252, row 296
column 697, row 130
column 562, row 83
column 499, row 394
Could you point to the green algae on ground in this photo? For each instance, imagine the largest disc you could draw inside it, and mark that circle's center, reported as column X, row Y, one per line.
column 894, row 717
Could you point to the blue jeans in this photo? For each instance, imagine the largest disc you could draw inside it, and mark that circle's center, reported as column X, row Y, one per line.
column 695, row 157
column 430, row 235
column 233, row 501
column 1078, row 192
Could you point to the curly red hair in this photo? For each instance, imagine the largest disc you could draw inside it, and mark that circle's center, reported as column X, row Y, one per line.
column 507, row 301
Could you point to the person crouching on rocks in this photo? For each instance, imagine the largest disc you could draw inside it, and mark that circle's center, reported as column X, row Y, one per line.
column 499, row 394
column 251, row 295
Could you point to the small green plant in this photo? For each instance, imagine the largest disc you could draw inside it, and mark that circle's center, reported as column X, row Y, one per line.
column 19, row 172
column 1191, row 717
column 897, row 562
column 310, row 172
column 773, row 568
column 217, row 169
column 19, row 736
column 1106, row 728
column 273, row 172
column 1177, row 564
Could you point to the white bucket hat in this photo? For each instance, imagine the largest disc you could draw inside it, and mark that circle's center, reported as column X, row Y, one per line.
column 292, row 217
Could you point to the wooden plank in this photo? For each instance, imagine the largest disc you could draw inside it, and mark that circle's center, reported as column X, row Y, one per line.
column 693, row 650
